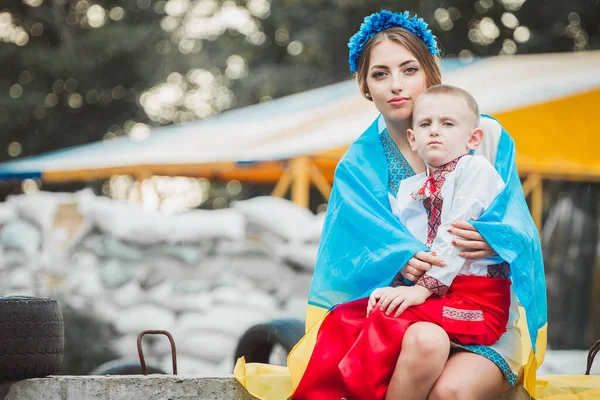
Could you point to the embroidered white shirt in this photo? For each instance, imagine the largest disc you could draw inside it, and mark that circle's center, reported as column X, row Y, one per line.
column 467, row 192
column 509, row 345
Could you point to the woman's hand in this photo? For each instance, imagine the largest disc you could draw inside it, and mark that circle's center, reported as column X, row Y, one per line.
column 471, row 242
column 419, row 264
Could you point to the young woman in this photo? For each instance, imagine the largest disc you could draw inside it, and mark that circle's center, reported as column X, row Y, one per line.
column 364, row 246
column 395, row 59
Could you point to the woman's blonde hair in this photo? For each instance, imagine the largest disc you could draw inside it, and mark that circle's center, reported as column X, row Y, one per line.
column 429, row 62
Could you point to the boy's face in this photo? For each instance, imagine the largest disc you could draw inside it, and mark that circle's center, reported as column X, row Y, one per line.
column 444, row 129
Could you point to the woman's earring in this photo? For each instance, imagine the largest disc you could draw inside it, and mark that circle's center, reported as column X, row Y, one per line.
column 367, row 95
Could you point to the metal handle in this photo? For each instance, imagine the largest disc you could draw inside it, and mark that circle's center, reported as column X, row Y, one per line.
column 141, row 353
column 591, row 355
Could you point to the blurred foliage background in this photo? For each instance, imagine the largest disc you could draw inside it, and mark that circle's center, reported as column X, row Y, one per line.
column 76, row 71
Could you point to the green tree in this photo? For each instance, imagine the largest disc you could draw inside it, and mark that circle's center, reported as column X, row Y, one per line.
column 76, row 71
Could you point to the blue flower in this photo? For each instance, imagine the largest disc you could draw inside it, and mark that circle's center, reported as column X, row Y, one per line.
column 383, row 20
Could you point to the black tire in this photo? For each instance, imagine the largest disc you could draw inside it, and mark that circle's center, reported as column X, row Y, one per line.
column 256, row 343
column 31, row 337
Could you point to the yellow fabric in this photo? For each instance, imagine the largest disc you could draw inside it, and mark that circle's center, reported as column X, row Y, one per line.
column 267, row 382
column 533, row 360
column 300, row 354
column 270, row 382
column 314, row 315
column 568, row 387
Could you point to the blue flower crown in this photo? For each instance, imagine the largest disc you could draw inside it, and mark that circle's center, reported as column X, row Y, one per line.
column 383, row 20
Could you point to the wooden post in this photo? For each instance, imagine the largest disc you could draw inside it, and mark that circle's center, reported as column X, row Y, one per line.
column 320, row 182
column 533, row 185
column 283, row 184
column 537, row 204
column 529, row 184
column 300, row 168
column 139, row 179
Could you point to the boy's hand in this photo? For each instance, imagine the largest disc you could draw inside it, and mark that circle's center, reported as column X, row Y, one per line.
column 399, row 298
column 374, row 298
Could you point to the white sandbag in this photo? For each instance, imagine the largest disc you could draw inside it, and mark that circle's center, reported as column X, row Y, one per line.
column 55, row 214
column 115, row 273
column 228, row 295
column 113, row 247
column 8, row 213
column 128, row 295
column 21, row 235
column 187, row 364
column 300, row 255
column 245, row 298
column 295, row 307
column 130, row 222
column 143, row 317
column 11, row 259
column 186, row 255
column 82, row 259
column 268, row 275
column 277, row 215
column 39, row 207
column 209, row 346
column 261, row 236
column 237, row 247
column 75, row 301
column 225, row 367
column 105, row 309
column 220, row 319
column 21, row 281
column 85, row 281
column 157, row 270
column 197, row 225
column 126, row 346
column 313, row 231
column 166, row 296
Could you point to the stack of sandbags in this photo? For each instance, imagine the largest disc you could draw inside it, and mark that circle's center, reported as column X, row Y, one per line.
column 288, row 230
column 205, row 276
column 19, row 240
column 131, row 223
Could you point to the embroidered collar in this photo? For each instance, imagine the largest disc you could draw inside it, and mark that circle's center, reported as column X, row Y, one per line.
column 435, row 181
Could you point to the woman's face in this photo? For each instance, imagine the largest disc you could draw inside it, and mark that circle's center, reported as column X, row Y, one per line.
column 395, row 79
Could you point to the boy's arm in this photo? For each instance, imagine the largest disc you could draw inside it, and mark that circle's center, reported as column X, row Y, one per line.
column 477, row 185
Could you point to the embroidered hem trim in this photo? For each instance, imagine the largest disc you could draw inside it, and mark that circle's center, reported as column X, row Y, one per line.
column 462, row 315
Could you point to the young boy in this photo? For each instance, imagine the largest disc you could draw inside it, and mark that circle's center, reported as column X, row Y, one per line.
column 472, row 297
column 469, row 299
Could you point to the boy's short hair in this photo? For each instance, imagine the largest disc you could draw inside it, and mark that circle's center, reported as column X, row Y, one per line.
column 458, row 92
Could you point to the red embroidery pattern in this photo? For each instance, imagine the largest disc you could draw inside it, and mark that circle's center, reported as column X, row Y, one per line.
column 436, row 286
column 434, row 202
column 501, row 270
column 462, row 315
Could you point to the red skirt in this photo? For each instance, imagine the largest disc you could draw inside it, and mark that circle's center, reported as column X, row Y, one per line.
column 355, row 356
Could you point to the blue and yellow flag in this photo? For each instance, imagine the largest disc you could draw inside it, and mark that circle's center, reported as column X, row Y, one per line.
column 363, row 246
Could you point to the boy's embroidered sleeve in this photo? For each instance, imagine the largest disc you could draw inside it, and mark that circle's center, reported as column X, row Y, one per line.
column 477, row 185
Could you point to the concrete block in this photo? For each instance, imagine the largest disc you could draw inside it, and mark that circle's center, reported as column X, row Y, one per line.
column 139, row 387
column 130, row 387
